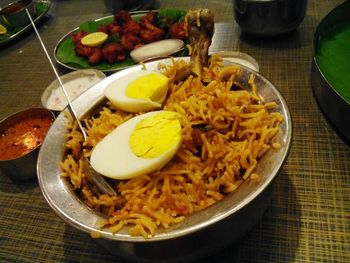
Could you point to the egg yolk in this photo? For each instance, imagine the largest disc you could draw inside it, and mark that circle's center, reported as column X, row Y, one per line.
column 149, row 87
column 155, row 135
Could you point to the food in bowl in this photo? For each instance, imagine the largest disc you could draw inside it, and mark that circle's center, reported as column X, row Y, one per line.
column 113, row 42
column 138, row 92
column 24, row 136
column 21, row 135
column 226, row 130
column 3, row 30
column 122, row 228
column 145, row 143
column 75, row 83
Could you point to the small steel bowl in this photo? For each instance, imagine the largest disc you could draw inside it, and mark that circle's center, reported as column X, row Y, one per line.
column 75, row 82
column 327, row 71
column 201, row 233
column 14, row 14
column 269, row 17
column 22, row 167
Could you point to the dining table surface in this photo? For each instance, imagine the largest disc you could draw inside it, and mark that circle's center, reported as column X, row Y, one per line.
column 308, row 217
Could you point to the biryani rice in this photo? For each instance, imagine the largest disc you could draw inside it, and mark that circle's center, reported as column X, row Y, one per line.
column 225, row 133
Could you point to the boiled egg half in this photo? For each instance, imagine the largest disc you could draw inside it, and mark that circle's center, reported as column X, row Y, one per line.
column 139, row 91
column 141, row 145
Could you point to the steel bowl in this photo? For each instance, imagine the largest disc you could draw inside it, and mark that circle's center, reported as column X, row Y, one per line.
column 14, row 14
column 201, row 233
column 76, row 82
column 269, row 17
column 332, row 99
column 116, row 5
column 23, row 167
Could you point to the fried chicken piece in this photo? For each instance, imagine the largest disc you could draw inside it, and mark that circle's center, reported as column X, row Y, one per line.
column 121, row 18
column 81, row 50
column 199, row 25
column 113, row 52
column 131, row 27
column 129, row 41
column 114, row 29
column 95, row 56
column 178, row 31
column 149, row 18
column 104, row 29
column 77, row 36
column 151, row 33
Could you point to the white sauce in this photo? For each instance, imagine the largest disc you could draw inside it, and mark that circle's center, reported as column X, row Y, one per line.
column 74, row 87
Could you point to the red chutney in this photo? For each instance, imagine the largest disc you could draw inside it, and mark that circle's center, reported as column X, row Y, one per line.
column 24, row 136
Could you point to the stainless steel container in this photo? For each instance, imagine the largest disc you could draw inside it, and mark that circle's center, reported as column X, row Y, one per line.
column 14, row 14
column 23, row 167
column 269, row 17
column 116, row 5
column 75, row 82
column 201, row 233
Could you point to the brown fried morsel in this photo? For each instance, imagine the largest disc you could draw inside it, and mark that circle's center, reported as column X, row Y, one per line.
column 114, row 29
column 82, row 51
column 178, row 31
column 149, row 18
column 129, row 41
column 77, row 36
column 113, row 52
column 104, row 29
column 151, row 33
column 95, row 56
column 131, row 27
column 121, row 18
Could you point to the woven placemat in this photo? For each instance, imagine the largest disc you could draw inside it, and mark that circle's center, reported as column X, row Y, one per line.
column 308, row 219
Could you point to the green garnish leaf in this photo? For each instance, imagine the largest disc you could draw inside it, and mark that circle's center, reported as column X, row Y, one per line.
column 92, row 26
column 174, row 14
column 113, row 38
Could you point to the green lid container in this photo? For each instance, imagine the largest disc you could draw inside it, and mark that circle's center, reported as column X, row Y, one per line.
column 330, row 72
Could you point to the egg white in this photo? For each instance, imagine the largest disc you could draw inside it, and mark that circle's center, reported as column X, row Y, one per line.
column 116, row 93
column 113, row 157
